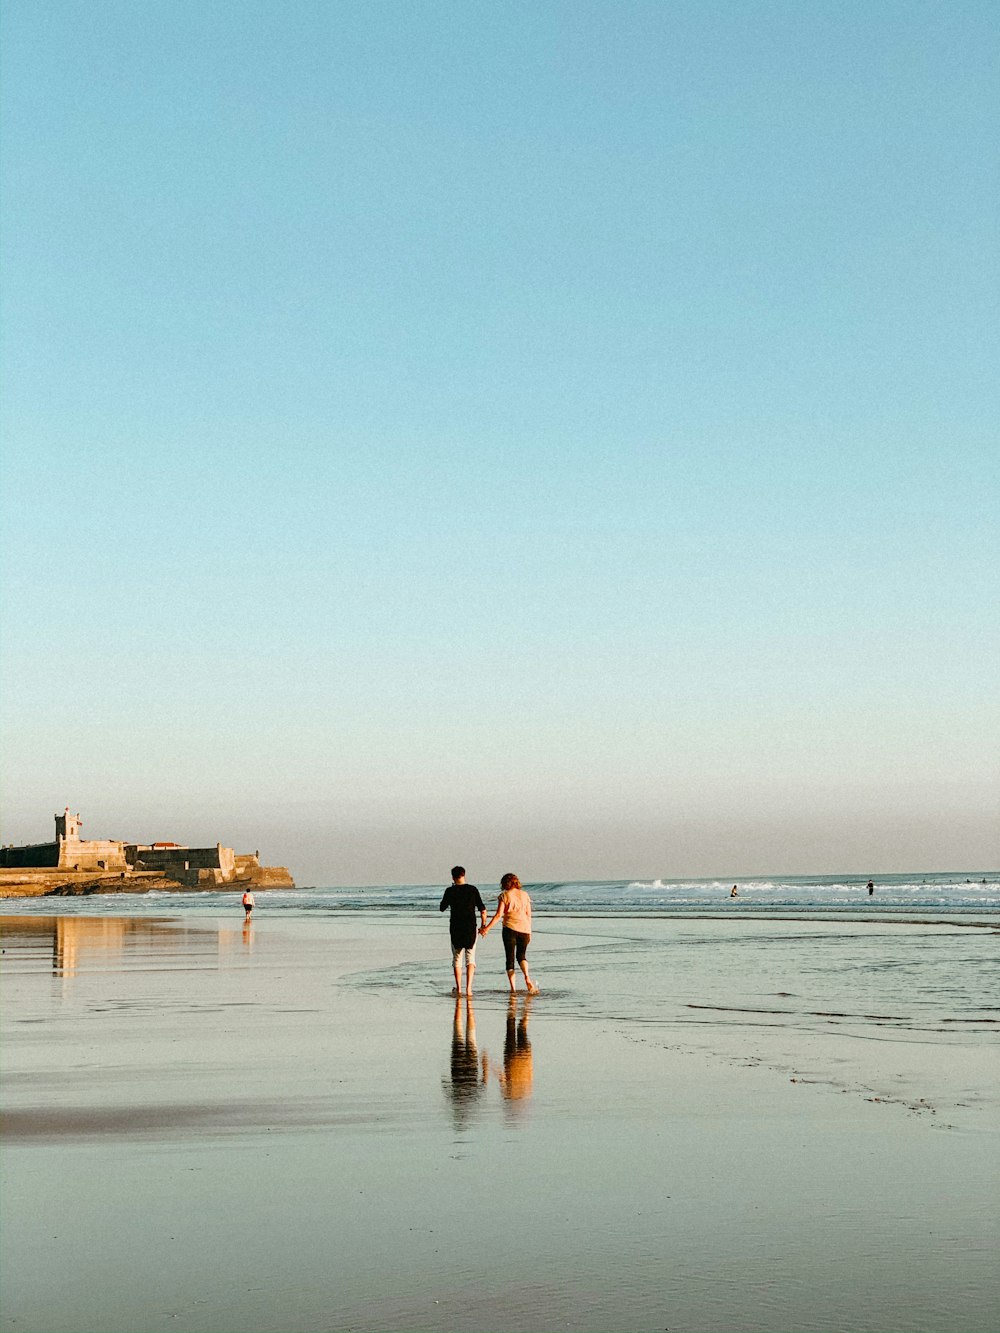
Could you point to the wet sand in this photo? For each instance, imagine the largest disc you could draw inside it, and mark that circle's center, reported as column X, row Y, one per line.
column 296, row 1127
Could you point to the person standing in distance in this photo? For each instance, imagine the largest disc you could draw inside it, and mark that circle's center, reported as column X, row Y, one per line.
column 514, row 906
column 248, row 905
column 464, row 901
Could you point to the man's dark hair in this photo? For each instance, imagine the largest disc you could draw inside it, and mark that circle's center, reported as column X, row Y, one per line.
column 457, row 872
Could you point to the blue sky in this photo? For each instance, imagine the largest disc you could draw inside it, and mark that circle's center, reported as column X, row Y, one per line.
column 558, row 437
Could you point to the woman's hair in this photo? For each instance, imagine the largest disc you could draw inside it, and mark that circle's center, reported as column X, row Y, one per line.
column 510, row 881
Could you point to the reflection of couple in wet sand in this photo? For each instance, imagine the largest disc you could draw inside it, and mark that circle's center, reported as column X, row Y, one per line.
column 513, row 905
column 517, row 1073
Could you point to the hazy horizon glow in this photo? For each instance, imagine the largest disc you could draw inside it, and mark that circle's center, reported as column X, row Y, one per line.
column 555, row 437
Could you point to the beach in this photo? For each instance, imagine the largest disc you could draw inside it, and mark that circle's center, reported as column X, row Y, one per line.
column 699, row 1124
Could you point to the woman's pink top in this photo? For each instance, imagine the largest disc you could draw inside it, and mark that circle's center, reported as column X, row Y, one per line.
column 516, row 907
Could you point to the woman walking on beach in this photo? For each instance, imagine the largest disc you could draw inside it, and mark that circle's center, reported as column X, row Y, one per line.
column 514, row 906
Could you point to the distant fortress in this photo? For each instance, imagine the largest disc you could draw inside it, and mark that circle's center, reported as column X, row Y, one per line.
column 72, row 864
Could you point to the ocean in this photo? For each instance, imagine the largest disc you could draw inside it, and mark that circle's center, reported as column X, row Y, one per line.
column 936, row 894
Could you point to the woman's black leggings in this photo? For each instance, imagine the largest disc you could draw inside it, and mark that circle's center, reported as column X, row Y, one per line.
column 515, row 944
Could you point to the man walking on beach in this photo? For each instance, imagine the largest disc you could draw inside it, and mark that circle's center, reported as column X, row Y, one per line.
column 464, row 901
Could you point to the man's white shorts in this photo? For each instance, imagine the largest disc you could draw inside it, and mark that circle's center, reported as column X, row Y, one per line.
column 468, row 954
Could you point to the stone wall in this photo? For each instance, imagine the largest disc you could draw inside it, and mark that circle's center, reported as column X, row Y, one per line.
column 272, row 877
column 67, row 854
column 91, row 854
column 250, row 871
column 45, row 881
column 26, row 882
column 35, row 854
column 180, row 861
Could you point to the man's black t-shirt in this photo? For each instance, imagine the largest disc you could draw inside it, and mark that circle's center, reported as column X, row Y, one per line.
column 464, row 901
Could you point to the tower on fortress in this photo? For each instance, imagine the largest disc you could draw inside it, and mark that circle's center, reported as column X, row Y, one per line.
column 72, row 852
column 68, row 827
